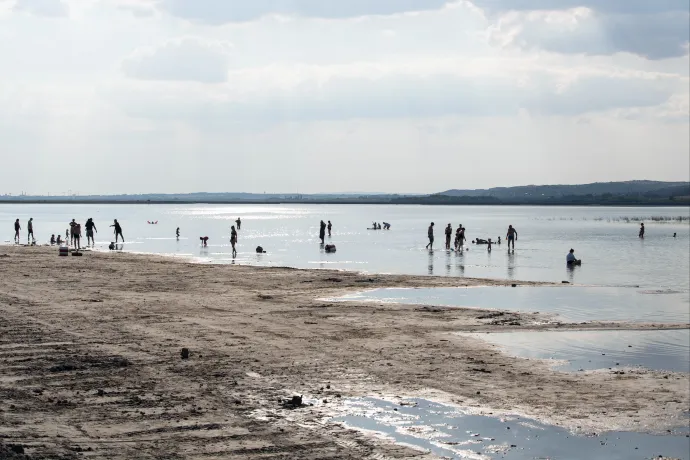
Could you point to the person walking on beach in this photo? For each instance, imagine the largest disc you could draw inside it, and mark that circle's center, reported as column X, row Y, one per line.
column 511, row 236
column 330, row 226
column 17, row 228
column 449, row 233
column 239, row 223
column 322, row 231
column 90, row 227
column 430, row 235
column 118, row 230
column 30, row 231
column 233, row 240
column 641, row 235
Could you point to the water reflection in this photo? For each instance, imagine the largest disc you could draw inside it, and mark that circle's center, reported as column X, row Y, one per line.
column 431, row 262
column 511, row 265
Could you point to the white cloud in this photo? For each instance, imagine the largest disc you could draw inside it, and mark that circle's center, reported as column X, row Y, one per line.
column 188, row 59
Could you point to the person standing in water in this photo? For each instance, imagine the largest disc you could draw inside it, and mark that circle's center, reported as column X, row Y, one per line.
column 641, row 235
column 17, row 228
column 72, row 226
column 118, row 230
column 330, row 226
column 90, row 228
column 511, row 236
column 30, row 231
column 177, row 233
column 233, row 240
column 322, row 231
column 76, row 234
column 430, row 235
column 239, row 223
column 449, row 233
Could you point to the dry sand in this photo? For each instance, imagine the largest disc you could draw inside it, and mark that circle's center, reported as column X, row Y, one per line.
column 90, row 361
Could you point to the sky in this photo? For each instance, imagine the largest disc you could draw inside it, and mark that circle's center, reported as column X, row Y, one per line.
column 312, row 96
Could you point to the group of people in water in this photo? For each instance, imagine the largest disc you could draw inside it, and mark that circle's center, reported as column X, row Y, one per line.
column 459, row 242
column 377, row 226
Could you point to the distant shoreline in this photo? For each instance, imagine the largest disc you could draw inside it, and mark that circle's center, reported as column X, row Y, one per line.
column 351, row 202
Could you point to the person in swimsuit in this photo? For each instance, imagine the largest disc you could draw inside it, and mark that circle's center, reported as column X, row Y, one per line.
column 239, row 223
column 177, row 233
column 72, row 225
column 233, row 240
column 52, row 239
column 17, row 228
column 90, row 227
column 641, row 235
column 59, row 240
column 322, row 231
column 511, row 236
column 118, row 230
column 76, row 234
column 330, row 226
column 449, row 233
column 462, row 237
column 430, row 235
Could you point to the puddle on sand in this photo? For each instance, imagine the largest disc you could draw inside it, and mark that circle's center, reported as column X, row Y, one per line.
column 448, row 432
column 667, row 350
column 576, row 304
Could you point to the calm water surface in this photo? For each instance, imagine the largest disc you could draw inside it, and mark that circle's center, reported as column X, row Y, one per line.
column 612, row 253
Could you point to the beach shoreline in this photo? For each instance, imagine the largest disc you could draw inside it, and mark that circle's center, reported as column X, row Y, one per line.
column 90, row 360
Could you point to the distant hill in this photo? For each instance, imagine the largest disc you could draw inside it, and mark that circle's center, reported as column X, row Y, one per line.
column 539, row 192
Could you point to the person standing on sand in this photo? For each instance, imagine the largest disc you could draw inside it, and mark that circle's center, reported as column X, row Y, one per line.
column 72, row 225
column 239, row 223
column 90, row 227
column 641, row 235
column 17, row 228
column 233, row 240
column 330, row 226
column 30, row 231
column 449, row 233
column 511, row 236
column 430, row 235
column 322, row 231
column 118, row 230
column 76, row 234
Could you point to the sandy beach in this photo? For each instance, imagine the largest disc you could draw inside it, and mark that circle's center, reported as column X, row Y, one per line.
column 90, row 361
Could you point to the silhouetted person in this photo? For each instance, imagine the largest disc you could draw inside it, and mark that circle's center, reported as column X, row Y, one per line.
column 511, row 236
column 570, row 258
column 90, row 228
column 330, row 226
column 118, row 230
column 17, row 228
column 322, row 231
column 641, row 235
column 449, row 233
column 233, row 240
column 76, row 234
column 430, row 235
column 52, row 239
column 59, row 240
column 72, row 226
column 489, row 243
column 177, row 233
column 239, row 223
column 30, row 231
column 204, row 240
column 674, row 235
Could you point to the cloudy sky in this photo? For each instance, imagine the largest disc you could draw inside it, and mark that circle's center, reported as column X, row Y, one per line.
column 129, row 96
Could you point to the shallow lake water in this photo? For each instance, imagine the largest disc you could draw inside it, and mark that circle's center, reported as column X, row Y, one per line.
column 667, row 350
column 613, row 254
column 569, row 303
column 450, row 433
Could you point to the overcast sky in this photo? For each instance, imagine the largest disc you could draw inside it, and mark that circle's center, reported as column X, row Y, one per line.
column 130, row 96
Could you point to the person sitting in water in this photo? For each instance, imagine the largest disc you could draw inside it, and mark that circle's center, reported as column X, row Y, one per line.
column 499, row 240
column 386, row 226
column 570, row 258
column 52, row 239
column 480, row 241
column 204, row 240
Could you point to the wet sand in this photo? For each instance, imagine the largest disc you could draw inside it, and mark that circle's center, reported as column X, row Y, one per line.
column 90, row 361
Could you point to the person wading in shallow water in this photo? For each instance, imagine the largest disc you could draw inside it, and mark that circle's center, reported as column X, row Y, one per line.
column 511, row 236
column 17, row 228
column 233, row 240
column 430, row 235
column 118, row 230
column 641, row 235
column 322, row 231
column 90, row 228
column 30, row 229
column 449, row 233
column 330, row 226
column 239, row 223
